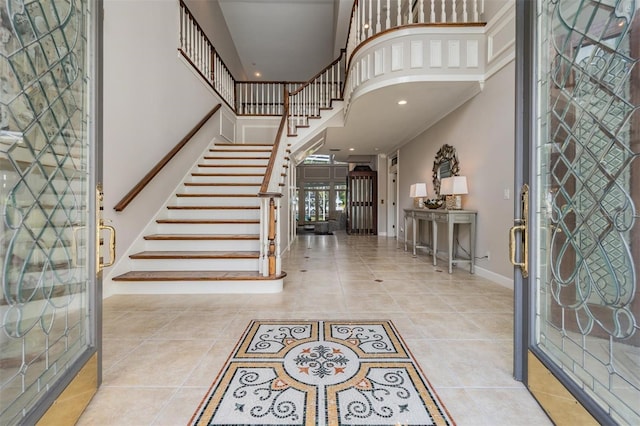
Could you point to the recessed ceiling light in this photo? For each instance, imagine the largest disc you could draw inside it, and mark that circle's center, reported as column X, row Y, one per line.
column 366, row 26
column 402, row 102
column 352, row 149
column 258, row 74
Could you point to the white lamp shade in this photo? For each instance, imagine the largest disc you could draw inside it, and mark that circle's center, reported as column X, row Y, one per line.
column 412, row 191
column 421, row 190
column 454, row 185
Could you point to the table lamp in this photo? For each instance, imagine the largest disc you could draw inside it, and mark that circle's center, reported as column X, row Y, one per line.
column 418, row 192
column 453, row 187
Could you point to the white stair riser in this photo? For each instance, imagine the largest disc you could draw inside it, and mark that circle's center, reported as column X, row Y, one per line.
column 214, row 189
column 229, row 153
column 235, row 162
column 228, row 179
column 232, row 169
column 218, row 201
column 198, row 287
column 194, row 264
column 214, row 214
column 203, row 228
column 202, row 245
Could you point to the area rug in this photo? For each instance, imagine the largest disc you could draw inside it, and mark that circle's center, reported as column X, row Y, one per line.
column 321, row 373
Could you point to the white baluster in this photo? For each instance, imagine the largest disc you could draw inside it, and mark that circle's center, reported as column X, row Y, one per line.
column 443, row 15
column 388, row 23
column 432, row 17
column 363, row 23
column 378, row 26
column 421, row 12
column 465, row 17
column 475, row 10
column 370, row 21
column 278, row 222
column 399, row 16
column 454, row 13
column 410, row 17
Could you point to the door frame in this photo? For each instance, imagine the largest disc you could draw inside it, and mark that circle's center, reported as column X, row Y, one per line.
column 528, row 359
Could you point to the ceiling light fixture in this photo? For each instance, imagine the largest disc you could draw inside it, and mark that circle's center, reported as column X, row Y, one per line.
column 352, row 149
column 258, row 74
column 402, row 102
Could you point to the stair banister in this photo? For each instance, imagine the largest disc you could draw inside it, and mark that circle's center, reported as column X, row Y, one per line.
column 137, row 189
column 270, row 195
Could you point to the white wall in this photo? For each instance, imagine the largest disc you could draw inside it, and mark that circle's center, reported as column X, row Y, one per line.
column 482, row 131
column 151, row 100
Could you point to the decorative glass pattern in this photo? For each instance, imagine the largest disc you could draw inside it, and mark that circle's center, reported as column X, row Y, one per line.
column 587, row 274
column 44, row 309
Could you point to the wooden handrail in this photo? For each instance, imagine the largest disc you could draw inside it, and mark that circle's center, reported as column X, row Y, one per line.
column 163, row 162
column 264, row 188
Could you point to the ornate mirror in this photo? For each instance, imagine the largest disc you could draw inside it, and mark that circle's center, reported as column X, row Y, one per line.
column 444, row 165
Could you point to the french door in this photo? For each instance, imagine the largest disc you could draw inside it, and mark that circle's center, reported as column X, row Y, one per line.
column 577, row 236
column 50, row 169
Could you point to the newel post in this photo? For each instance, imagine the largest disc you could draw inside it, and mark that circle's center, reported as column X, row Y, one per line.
column 270, row 260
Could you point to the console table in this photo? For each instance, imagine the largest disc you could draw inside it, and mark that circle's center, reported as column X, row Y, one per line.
column 450, row 218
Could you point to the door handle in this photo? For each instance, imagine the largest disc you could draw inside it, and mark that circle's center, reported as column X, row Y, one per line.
column 112, row 244
column 100, row 226
column 522, row 227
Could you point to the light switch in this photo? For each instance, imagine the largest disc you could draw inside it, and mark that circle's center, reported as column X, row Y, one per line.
column 507, row 193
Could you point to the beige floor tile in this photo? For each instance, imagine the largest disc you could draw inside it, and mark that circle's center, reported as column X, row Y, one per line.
column 126, row 406
column 158, row 363
column 181, row 407
column 161, row 353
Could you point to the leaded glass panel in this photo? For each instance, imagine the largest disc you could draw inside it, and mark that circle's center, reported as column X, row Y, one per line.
column 45, row 191
column 588, row 179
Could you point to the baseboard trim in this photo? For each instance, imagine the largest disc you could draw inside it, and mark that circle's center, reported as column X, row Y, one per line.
column 496, row 278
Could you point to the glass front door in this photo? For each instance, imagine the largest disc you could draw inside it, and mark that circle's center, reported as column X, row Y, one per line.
column 583, row 232
column 48, row 174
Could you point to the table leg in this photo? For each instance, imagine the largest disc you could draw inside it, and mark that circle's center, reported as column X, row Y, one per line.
column 405, row 233
column 472, row 241
column 434, row 231
column 413, row 240
column 450, row 248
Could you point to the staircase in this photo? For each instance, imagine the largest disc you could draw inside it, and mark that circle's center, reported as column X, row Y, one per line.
column 208, row 238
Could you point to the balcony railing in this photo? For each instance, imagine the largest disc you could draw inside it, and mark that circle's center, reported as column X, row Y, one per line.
column 369, row 18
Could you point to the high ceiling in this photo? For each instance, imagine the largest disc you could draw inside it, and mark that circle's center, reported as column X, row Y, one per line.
column 285, row 40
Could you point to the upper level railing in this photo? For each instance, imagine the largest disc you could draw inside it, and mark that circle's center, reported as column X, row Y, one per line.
column 196, row 47
column 372, row 17
column 369, row 18
column 315, row 95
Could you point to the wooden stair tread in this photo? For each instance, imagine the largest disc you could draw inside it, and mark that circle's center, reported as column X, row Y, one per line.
column 196, row 276
column 209, row 221
column 253, row 151
column 210, row 157
column 196, row 255
column 201, row 237
column 213, row 207
column 227, row 174
column 230, row 165
column 217, row 195
column 244, row 144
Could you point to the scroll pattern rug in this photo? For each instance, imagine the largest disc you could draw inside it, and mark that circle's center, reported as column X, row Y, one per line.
column 321, row 373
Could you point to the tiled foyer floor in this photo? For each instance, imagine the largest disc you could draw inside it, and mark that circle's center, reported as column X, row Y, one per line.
column 161, row 353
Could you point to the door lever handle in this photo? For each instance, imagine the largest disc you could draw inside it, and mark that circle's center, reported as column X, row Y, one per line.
column 523, row 227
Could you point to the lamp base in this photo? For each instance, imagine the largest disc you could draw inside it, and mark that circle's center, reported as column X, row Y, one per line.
column 453, row 202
